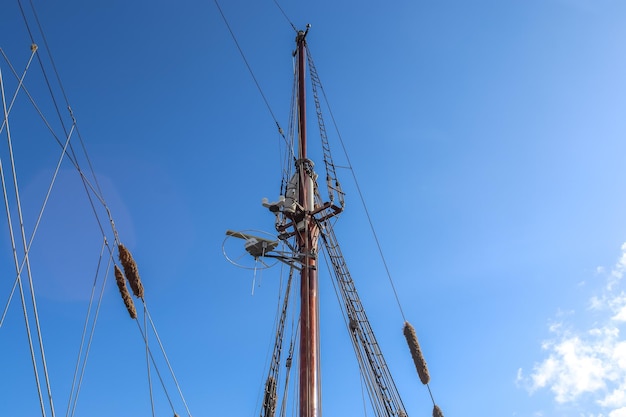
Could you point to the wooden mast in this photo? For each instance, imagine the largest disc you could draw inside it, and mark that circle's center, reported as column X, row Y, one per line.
column 307, row 244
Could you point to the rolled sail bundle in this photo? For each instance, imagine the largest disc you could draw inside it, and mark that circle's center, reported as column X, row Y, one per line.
column 269, row 399
column 437, row 411
column 416, row 353
column 128, row 300
column 130, row 270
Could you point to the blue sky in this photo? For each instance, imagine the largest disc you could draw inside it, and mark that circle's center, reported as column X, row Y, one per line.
column 488, row 141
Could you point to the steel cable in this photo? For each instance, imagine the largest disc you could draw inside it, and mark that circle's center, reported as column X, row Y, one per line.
column 16, row 261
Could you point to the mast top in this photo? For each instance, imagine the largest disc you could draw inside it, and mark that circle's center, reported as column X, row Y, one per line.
column 300, row 37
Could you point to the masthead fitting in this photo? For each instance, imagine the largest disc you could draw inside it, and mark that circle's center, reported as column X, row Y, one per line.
column 302, row 33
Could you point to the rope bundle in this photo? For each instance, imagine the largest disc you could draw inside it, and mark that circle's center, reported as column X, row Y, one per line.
column 420, row 362
column 416, row 353
column 269, row 400
column 132, row 275
column 130, row 270
column 128, row 301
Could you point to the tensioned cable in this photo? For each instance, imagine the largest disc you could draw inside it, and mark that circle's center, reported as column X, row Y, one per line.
column 41, row 210
column 70, row 157
column 20, row 82
column 31, row 240
column 286, row 17
column 5, row 123
column 144, row 336
column 363, row 396
column 362, row 366
column 28, row 270
column 74, row 160
column 56, row 72
column 145, row 326
column 44, row 73
column 91, row 335
column 36, row 228
column 270, row 350
column 92, row 332
column 289, row 359
column 89, row 188
column 84, row 334
column 16, row 260
column 369, row 219
column 367, row 214
column 267, row 104
column 167, row 361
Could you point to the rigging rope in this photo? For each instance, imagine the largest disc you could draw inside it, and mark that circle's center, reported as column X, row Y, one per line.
column 328, row 235
column 71, row 407
column 362, row 198
column 37, row 222
column 20, row 82
column 167, row 361
column 258, row 86
column 286, row 17
column 73, row 157
column 334, row 188
column 269, row 406
column 5, row 121
column 13, row 244
column 16, row 261
column 145, row 326
column 67, row 103
column 94, row 194
column 149, row 354
column 92, row 190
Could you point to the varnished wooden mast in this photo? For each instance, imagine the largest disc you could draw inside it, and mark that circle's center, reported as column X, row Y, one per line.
column 307, row 238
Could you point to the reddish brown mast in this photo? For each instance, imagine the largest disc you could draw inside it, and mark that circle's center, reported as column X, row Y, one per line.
column 307, row 237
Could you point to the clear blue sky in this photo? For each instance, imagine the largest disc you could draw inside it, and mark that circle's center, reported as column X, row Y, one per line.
column 488, row 138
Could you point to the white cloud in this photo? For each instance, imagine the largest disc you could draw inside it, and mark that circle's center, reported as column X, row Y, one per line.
column 621, row 412
column 588, row 363
column 617, row 273
column 573, row 367
column 618, row 305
